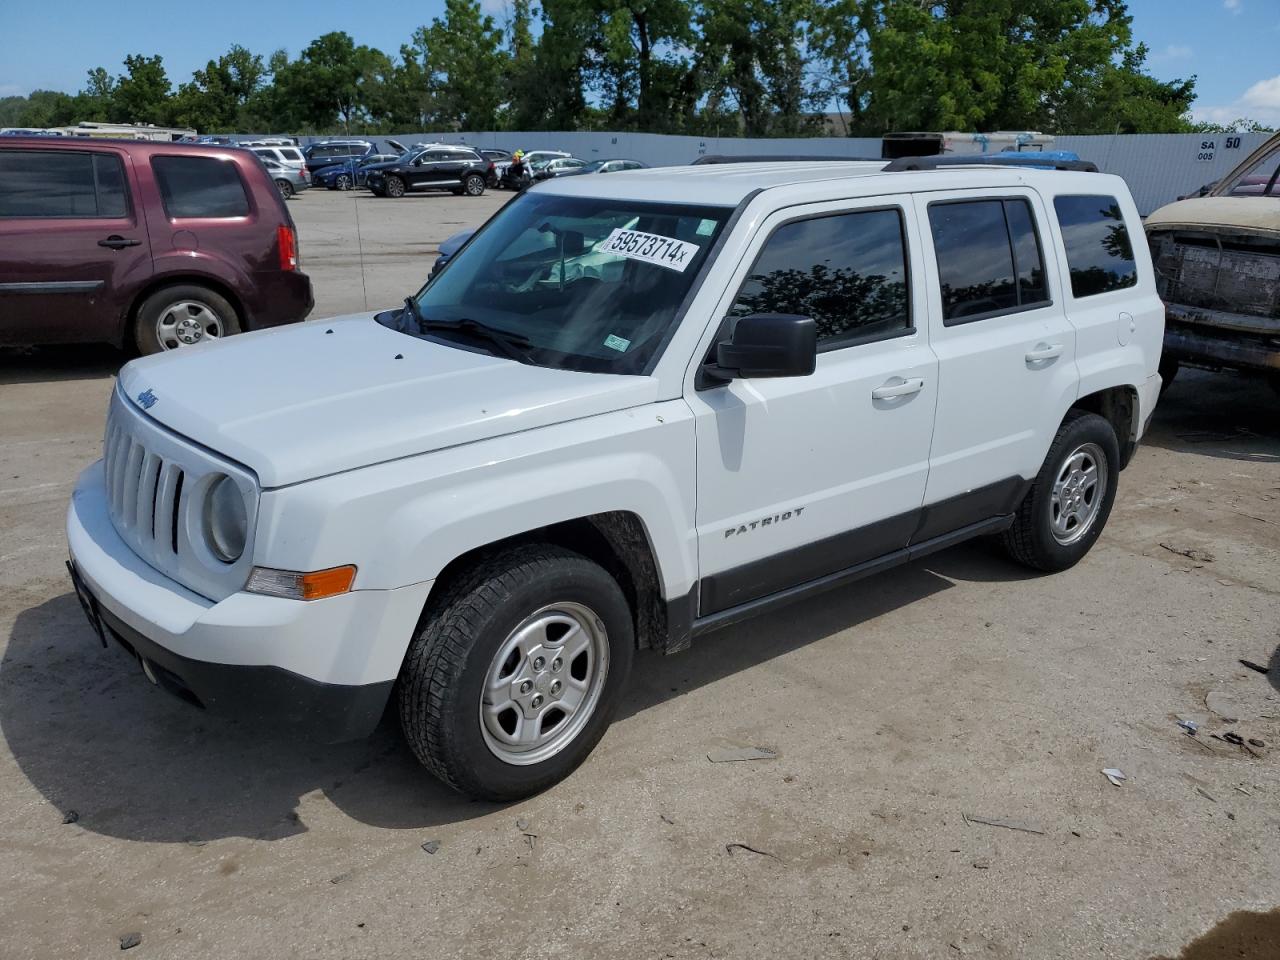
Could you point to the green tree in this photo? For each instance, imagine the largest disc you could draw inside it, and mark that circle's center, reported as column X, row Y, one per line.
column 48, row 108
column 467, row 66
column 141, row 94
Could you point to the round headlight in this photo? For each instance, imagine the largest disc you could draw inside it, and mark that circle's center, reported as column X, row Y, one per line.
column 226, row 522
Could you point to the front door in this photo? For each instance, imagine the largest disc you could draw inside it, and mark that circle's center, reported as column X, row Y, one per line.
column 71, row 243
column 805, row 476
column 441, row 168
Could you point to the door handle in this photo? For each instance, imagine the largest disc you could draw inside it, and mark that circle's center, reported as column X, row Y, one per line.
column 1044, row 351
column 117, row 242
column 897, row 387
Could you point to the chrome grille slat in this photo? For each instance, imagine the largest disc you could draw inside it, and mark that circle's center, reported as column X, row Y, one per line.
column 164, row 504
column 144, row 502
column 129, row 490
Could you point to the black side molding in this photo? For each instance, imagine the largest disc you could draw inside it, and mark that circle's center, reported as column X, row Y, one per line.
column 753, row 608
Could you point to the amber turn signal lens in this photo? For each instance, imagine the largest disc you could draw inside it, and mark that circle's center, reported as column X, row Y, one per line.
column 292, row 585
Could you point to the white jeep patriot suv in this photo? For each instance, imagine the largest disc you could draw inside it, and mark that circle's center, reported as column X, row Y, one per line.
column 632, row 409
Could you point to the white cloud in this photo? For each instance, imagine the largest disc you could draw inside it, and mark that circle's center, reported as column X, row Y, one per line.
column 1174, row 51
column 1260, row 102
column 1232, row 5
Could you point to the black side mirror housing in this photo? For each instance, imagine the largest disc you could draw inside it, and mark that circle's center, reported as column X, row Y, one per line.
column 769, row 345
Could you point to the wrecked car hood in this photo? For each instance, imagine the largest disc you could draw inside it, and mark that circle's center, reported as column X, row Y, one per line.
column 1251, row 214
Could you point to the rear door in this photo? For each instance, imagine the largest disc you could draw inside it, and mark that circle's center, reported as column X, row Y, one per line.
column 1007, row 352
column 73, row 247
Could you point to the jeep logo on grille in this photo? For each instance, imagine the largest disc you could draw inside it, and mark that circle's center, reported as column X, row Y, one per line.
column 147, row 399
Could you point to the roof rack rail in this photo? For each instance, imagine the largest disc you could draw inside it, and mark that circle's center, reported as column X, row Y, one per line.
column 775, row 158
column 987, row 159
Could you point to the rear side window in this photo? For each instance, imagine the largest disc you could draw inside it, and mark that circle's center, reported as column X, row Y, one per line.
column 200, row 187
column 290, row 154
column 1099, row 253
column 848, row 272
column 59, row 184
column 989, row 258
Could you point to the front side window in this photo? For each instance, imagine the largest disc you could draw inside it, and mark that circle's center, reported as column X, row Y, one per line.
column 205, row 187
column 989, row 258
column 1099, row 252
column 847, row 271
column 61, row 184
column 580, row 283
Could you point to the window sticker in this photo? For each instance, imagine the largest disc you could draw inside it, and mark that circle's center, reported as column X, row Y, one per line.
column 614, row 342
column 651, row 248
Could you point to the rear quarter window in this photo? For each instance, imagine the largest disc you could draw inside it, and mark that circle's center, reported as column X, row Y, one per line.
column 204, row 187
column 1099, row 251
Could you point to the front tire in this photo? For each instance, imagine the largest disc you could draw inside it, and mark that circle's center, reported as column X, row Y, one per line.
column 182, row 316
column 395, row 187
column 516, row 671
column 343, row 182
column 1068, row 505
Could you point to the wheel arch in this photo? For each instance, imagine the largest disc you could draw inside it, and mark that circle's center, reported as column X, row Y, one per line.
column 1117, row 405
column 616, row 540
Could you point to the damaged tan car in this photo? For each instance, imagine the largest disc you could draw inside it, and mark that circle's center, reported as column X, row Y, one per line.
column 1217, row 263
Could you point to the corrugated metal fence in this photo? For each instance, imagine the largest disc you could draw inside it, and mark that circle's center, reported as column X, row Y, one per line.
column 1157, row 167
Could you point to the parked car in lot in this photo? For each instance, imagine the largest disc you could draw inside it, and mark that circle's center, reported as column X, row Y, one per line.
column 150, row 244
column 448, row 247
column 328, row 152
column 629, row 411
column 517, row 176
column 440, row 167
column 556, row 167
column 350, row 173
column 289, row 180
column 613, row 166
column 287, row 156
column 501, row 159
column 1218, row 257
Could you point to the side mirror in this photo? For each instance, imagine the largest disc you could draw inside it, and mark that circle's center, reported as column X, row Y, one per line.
column 769, row 345
column 574, row 243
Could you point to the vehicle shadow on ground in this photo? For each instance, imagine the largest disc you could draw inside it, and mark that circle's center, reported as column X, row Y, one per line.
column 86, row 361
column 93, row 736
column 1225, row 415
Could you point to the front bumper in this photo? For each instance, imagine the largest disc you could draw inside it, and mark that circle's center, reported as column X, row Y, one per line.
column 325, row 667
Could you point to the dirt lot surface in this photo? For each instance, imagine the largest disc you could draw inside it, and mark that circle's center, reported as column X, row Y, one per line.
column 958, row 685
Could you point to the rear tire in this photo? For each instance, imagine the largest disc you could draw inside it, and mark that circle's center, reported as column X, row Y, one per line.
column 1064, row 512
column 483, row 695
column 473, row 185
column 285, row 188
column 167, row 319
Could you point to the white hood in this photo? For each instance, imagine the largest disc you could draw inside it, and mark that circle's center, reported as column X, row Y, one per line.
column 317, row 398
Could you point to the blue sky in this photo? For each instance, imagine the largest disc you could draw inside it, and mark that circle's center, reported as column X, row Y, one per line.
column 1233, row 46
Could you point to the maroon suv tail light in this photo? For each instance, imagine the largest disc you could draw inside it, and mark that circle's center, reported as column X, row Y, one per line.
column 287, row 240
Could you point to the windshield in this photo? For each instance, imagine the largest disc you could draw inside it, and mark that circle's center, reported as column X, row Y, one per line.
column 1262, row 179
column 583, row 283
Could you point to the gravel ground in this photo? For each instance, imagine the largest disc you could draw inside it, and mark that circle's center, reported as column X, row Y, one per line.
column 957, row 685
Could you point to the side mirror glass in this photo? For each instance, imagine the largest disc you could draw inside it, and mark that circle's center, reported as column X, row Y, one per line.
column 769, row 345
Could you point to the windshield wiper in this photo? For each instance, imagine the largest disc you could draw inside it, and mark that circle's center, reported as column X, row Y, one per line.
column 412, row 310
column 513, row 346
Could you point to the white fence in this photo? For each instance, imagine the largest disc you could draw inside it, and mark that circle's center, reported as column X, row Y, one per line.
column 1157, row 167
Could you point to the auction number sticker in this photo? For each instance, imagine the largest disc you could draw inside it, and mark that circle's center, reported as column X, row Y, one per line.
column 651, row 248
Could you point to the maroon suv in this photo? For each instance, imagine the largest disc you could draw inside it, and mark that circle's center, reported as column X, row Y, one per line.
column 158, row 245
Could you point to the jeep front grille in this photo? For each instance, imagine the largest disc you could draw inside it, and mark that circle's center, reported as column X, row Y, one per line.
column 156, row 482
